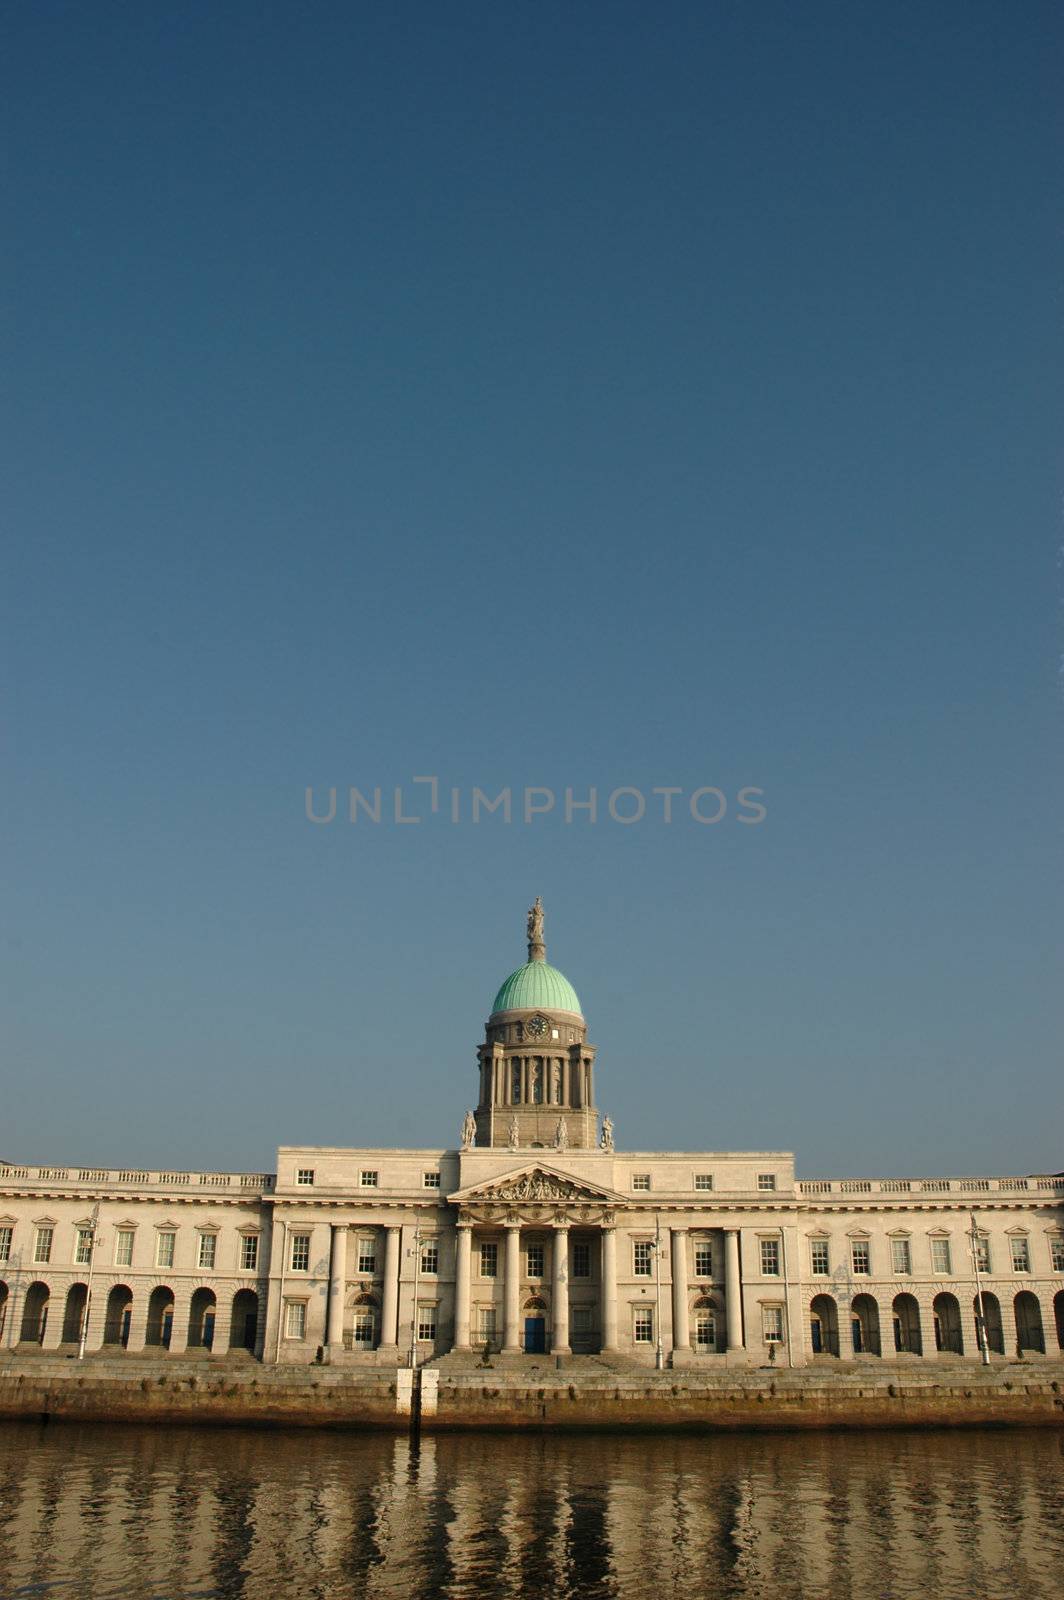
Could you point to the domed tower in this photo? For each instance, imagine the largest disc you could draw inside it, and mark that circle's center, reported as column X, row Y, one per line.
column 536, row 1066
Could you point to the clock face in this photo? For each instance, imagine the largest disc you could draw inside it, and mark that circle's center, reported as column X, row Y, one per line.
column 537, row 1027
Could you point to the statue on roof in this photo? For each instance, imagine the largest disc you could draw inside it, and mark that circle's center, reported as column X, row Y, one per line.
column 535, row 922
column 469, row 1131
column 513, row 1136
column 561, row 1135
column 606, row 1142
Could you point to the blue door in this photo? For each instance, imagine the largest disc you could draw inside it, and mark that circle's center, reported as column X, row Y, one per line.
column 535, row 1335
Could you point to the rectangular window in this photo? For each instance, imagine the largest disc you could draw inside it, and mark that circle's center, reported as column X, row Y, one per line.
column 164, row 1249
column 299, row 1260
column 1056, row 1253
column 489, row 1261
column 42, row 1244
column 982, row 1253
column 426, row 1324
column 124, row 1247
column 367, row 1256
column 770, row 1258
column 772, row 1324
column 6, row 1234
column 305, row 1177
column 295, row 1320
column 430, row 1180
column 581, row 1260
column 644, row 1326
column 766, row 1181
column 705, row 1330
column 940, row 1256
column 368, row 1179
column 900, row 1256
column 249, row 1252
column 643, row 1258
column 641, row 1180
column 83, row 1248
column 581, row 1316
column 487, row 1324
column 1021, row 1255
column 819, row 1260
column 363, row 1330
column 703, row 1260
column 534, row 1254
column 430, row 1259
column 861, row 1257
column 703, row 1180
column 207, row 1248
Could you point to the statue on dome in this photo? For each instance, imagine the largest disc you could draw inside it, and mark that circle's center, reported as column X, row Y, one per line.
column 535, row 922
column 561, row 1135
column 513, row 1137
column 469, row 1131
column 606, row 1142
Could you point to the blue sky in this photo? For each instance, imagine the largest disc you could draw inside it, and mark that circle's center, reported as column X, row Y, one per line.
column 535, row 397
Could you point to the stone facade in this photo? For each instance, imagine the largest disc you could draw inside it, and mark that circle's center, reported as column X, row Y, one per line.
column 535, row 1236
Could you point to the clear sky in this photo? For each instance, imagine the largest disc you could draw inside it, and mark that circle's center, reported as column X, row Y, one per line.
column 542, row 396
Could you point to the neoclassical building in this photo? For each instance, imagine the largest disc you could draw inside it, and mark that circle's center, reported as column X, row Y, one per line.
column 536, row 1236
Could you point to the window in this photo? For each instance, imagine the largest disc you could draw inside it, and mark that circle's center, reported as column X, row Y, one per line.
column 861, row 1257
column 368, row 1179
column 770, row 1258
column 534, row 1254
column 982, row 1253
column 6, row 1235
column 430, row 1259
column 295, row 1320
column 766, row 1181
column 1021, row 1255
column 42, row 1244
column 124, row 1247
column 305, row 1177
column 581, row 1316
column 489, row 1260
column 772, row 1324
column 642, row 1258
column 705, row 1330
column 581, row 1260
column 644, row 1326
column 487, row 1323
column 703, row 1260
column 819, row 1260
column 83, row 1247
column 299, row 1260
column 249, row 1252
column 426, row 1323
column 164, row 1249
column 367, row 1256
column 1056, row 1252
column 703, row 1180
column 208, row 1244
column 940, row 1256
column 430, row 1180
column 900, row 1256
column 363, row 1328
column 641, row 1180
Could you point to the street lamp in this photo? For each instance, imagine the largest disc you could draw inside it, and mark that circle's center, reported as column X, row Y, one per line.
column 659, row 1357
column 95, row 1223
column 981, row 1338
column 416, row 1253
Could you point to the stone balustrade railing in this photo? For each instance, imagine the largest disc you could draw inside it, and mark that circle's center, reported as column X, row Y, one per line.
column 1038, row 1184
column 102, row 1178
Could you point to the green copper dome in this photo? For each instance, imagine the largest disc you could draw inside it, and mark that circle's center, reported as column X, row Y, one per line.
column 537, row 986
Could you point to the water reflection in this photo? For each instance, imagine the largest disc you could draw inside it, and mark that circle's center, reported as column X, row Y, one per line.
column 151, row 1513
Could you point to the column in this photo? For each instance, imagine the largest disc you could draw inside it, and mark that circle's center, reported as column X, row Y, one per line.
column 566, row 1100
column 461, row 1285
column 681, row 1336
column 524, row 1080
column 334, row 1316
column 390, row 1307
column 559, row 1343
column 609, row 1289
column 512, row 1287
column 733, row 1310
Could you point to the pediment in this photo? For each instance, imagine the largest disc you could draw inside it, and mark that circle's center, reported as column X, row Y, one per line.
column 539, row 1183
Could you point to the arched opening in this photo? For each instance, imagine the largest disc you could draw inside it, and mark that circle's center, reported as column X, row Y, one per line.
column 118, row 1315
column 864, row 1325
column 908, row 1340
column 535, row 1325
column 244, row 1322
column 160, row 1324
column 1029, row 1335
column 201, row 1314
column 707, row 1322
column 947, row 1315
column 364, row 1322
column 35, row 1314
column 992, row 1330
column 1058, row 1314
column 76, row 1302
column 4, row 1302
column 824, row 1325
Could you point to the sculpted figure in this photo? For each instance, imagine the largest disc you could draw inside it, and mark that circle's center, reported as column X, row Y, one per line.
column 469, row 1131
column 606, row 1141
column 535, row 922
column 513, row 1135
column 561, row 1135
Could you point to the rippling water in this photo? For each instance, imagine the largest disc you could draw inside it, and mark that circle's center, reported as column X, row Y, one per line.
column 166, row 1512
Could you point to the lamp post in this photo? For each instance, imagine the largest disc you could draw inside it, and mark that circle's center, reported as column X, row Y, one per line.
column 416, row 1253
column 981, row 1338
column 95, row 1220
column 659, row 1354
